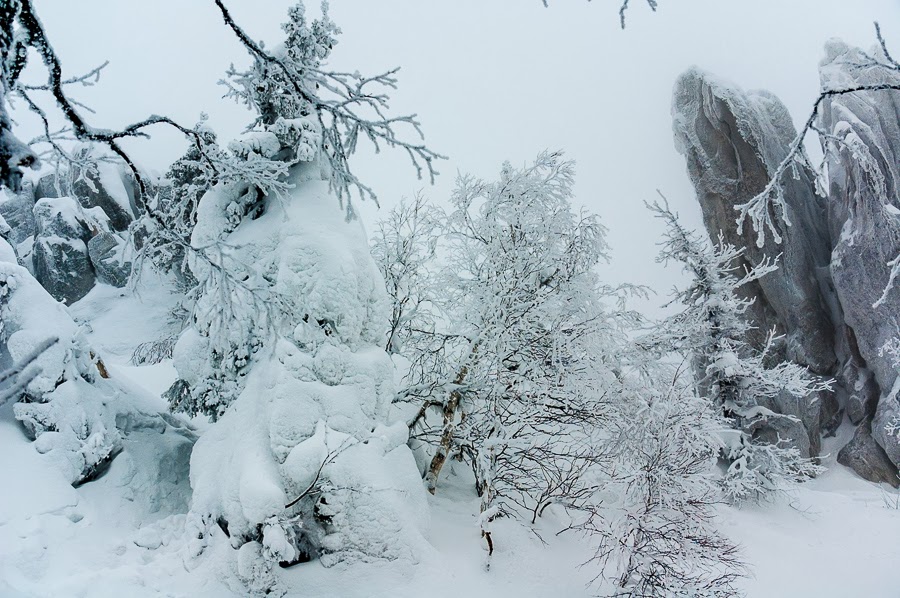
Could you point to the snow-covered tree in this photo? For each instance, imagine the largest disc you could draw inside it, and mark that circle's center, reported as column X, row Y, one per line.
column 405, row 248
column 742, row 382
column 526, row 349
column 164, row 234
column 293, row 83
column 285, row 347
column 656, row 533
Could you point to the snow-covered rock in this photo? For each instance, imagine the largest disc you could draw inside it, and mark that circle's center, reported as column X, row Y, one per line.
column 18, row 211
column 107, row 253
column 864, row 215
column 61, row 262
column 732, row 140
column 864, row 456
column 79, row 417
column 110, row 189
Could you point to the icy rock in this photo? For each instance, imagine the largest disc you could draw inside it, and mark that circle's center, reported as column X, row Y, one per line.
column 732, row 140
column 867, row 459
column 110, row 189
column 18, row 211
column 107, row 254
column 864, row 182
column 61, row 262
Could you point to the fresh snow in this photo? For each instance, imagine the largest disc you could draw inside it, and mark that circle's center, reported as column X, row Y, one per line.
column 835, row 537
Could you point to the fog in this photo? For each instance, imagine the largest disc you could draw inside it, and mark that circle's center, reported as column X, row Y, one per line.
column 490, row 80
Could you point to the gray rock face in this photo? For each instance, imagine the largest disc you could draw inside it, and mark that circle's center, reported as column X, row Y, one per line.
column 47, row 187
column 781, row 429
column 18, row 211
column 732, row 140
column 110, row 191
column 60, row 258
column 106, row 252
column 864, row 217
column 864, row 456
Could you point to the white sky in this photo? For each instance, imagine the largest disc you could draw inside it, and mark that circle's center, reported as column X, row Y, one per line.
column 491, row 80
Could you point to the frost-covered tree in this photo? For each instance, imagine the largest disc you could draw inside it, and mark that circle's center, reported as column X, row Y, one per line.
column 656, row 533
column 285, row 348
column 518, row 372
column 164, row 234
column 294, row 83
column 405, row 248
column 742, row 382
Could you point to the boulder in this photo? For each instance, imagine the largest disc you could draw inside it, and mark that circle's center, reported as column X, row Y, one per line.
column 109, row 189
column 781, row 430
column 60, row 255
column 864, row 456
column 107, row 254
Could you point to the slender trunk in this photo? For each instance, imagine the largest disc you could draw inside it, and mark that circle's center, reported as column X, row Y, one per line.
column 450, row 409
column 443, row 450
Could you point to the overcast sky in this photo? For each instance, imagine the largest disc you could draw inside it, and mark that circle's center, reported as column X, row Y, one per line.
column 491, row 80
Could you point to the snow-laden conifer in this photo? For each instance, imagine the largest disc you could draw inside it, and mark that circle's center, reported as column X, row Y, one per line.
column 738, row 380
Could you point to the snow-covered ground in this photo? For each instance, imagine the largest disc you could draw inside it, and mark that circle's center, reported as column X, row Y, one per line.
column 837, row 536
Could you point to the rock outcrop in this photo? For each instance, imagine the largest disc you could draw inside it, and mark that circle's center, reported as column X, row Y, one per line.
column 863, row 158
column 829, row 296
column 732, row 141
column 70, row 231
column 107, row 254
column 18, row 211
column 864, row 456
column 109, row 189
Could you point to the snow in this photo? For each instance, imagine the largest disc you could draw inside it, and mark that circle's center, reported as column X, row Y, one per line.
column 835, row 537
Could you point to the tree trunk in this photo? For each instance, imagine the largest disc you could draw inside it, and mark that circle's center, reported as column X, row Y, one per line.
column 450, row 409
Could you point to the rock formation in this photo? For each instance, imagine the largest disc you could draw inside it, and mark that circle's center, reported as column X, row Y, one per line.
column 732, row 141
column 71, row 234
column 828, row 297
column 864, row 219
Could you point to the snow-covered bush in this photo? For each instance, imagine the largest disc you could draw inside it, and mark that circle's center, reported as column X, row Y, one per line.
column 657, row 534
column 711, row 332
column 514, row 380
